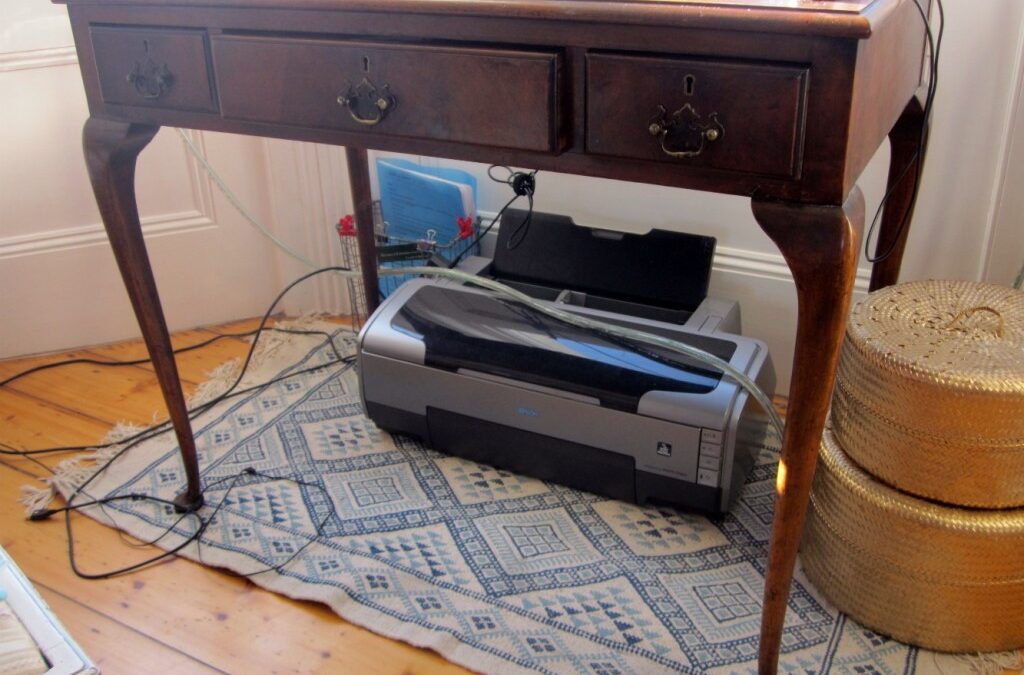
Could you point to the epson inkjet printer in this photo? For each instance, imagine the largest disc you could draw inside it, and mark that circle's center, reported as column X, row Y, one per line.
column 480, row 376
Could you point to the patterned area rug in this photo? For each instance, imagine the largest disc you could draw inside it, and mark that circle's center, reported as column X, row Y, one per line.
column 495, row 571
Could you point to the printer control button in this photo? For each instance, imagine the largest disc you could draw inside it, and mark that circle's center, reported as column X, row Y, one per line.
column 710, row 450
column 707, row 477
column 711, row 436
column 709, row 462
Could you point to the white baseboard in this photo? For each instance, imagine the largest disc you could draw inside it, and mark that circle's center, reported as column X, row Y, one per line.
column 38, row 58
column 52, row 241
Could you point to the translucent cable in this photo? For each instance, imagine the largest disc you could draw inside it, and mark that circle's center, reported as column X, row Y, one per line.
column 239, row 206
column 740, row 377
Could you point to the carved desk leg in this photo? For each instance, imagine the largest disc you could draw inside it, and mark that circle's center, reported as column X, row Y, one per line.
column 359, row 181
column 904, row 140
column 820, row 245
column 111, row 149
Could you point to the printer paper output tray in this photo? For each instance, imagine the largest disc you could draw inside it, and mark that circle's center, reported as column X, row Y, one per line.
column 482, row 377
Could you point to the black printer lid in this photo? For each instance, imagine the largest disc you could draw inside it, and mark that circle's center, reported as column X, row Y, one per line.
column 664, row 269
column 490, row 334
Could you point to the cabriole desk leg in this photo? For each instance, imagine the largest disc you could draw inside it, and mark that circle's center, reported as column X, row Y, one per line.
column 111, row 149
column 904, row 140
column 820, row 245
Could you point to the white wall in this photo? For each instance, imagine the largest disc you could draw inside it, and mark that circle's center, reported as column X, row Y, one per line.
column 980, row 79
column 1005, row 254
column 59, row 286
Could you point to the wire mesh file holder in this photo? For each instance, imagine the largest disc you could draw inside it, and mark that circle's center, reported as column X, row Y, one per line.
column 350, row 259
column 397, row 252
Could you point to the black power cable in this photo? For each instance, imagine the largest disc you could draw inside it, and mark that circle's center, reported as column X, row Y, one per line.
column 135, row 362
column 523, row 184
column 934, row 49
column 234, row 480
column 128, row 444
column 114, row 364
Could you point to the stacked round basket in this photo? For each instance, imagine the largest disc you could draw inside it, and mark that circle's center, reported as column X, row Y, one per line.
column 916, row 523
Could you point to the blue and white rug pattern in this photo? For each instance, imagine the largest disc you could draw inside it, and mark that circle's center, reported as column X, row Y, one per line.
column 496, row 571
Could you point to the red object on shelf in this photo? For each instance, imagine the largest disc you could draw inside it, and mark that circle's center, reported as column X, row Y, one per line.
column 465, row 227
column 347, row 226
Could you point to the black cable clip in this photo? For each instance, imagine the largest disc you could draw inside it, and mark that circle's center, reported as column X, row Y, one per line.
column 524, row 184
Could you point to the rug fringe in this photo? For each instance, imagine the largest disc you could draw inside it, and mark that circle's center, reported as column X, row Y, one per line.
column 36, row 498
column 67, row 476
column 271, row 342
column 122, row 431
column 993, row 663
column 70, row 473
column 217, row 382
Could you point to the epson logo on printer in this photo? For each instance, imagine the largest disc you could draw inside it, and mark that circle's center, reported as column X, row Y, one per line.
column 527, row 412
column 664, row 449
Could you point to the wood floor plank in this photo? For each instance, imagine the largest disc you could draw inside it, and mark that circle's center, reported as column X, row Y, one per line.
column 241, row 326
column 11, row 367
column 111, row 395
column 130, row 350
column 116, row 648
column 222, row 620
column 28, row 422
column 193, row 366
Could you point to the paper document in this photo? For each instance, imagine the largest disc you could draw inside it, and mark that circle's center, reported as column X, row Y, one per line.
column 415, row 199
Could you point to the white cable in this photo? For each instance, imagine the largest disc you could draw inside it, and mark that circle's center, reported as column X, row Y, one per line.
column 590, row 324
column 212, row 173
column 575, row 319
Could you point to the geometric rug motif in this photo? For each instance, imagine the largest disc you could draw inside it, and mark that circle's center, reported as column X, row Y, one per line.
column 499, row 572
column 477, row 484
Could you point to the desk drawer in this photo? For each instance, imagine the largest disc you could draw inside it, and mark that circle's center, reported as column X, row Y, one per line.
column 505, row 98
column 722, row 115
column 156, row 67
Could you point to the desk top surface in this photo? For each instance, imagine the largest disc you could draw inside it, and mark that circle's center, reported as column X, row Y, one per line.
column 836, row 18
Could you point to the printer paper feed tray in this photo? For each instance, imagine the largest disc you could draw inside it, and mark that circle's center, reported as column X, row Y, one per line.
column 489, row 334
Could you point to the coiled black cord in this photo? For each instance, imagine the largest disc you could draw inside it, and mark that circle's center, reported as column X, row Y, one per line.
column 523, row 184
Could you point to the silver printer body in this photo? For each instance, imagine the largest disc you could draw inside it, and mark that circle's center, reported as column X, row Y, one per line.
column 480, row 376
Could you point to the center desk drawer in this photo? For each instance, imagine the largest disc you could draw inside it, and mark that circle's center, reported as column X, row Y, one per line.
column 497, row 97
column 734, row 116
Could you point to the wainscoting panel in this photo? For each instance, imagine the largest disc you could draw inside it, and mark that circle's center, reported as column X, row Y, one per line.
column 60, row 286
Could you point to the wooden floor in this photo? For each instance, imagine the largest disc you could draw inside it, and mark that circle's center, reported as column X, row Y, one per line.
column 177, row 617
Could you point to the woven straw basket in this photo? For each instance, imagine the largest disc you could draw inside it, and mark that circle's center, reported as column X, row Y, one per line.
column 941, row 577
column 929, row 394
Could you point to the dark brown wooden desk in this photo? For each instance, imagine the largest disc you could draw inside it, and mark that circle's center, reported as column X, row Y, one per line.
column 784, row 101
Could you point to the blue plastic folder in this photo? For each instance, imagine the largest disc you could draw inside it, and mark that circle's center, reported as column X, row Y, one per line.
column 415, row 199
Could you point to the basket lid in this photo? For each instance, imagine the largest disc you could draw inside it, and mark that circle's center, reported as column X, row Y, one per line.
column 962, row 334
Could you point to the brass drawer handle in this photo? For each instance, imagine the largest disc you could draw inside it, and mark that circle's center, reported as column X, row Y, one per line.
column 366, row 103
column 150, row 81
column 684, row 133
